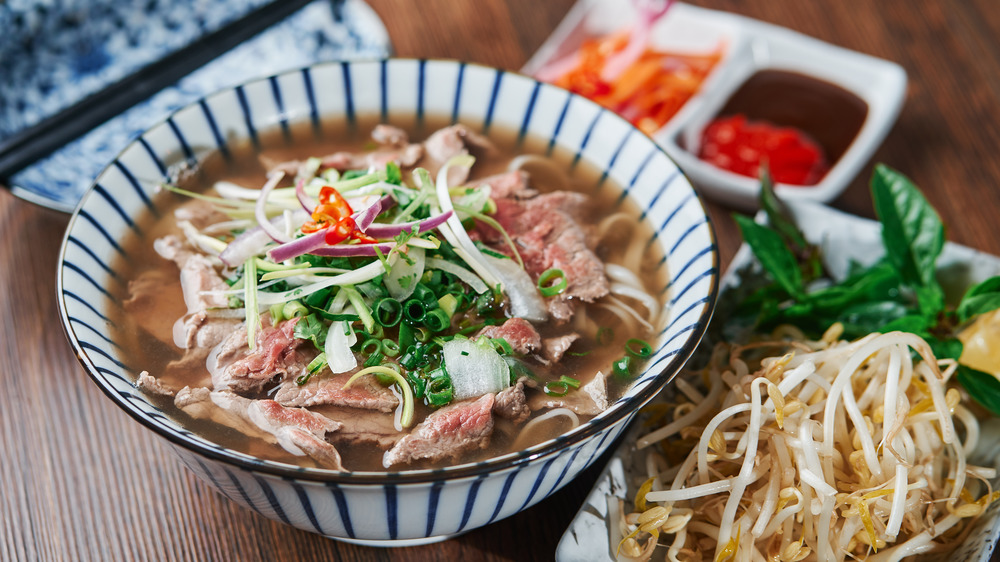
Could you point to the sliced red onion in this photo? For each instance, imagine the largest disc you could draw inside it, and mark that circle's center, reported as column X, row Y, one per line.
column 364, row 218
column 253, row 241
column 261, row 213
column 300, row 192
column 391, row 230
column 299, row 246
column 352, row 250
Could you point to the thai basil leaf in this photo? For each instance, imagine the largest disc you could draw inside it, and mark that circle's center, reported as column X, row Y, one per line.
column 979, row 299
column 913, row 323
column 912, row 233
column 773, row 254
column 880, row 282
column 948, row 348
column 983, row 387
column 778, row 215
column 865, row 318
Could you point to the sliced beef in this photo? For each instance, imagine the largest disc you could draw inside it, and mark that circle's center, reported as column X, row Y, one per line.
column 275, row 357
column 548, row 235
column 508, row 185
column 363, row 427
column 444, row 144
column 518, row 332
column 590, row 399
column 366, row 394
column 448, row 432
column 152, row 385
column 456, row 140
column 296, row 430
column 200, row 213
column 198, row 329
column 393, row 146
column 198, row 274
column 512, row 404
column 144, row 305
column 554, row 348
column 389, row 136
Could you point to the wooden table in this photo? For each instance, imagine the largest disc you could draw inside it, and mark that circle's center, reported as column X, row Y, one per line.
column 79, row 480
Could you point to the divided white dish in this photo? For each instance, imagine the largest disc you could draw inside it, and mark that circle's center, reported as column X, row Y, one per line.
column 843, row 238
column 750, row 46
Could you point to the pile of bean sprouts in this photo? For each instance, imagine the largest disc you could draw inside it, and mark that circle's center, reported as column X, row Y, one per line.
column 809, row 450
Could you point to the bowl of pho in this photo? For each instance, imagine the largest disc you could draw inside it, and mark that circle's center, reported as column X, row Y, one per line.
column 358, row 290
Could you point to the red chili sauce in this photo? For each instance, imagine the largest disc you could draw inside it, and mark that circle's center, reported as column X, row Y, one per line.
column 797, row 125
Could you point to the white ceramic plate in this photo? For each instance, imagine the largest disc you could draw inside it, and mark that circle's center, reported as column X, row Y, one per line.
column 842, row 238
column 750, row 46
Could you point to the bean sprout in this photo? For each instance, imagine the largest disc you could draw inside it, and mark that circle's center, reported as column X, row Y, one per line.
column 835, row 450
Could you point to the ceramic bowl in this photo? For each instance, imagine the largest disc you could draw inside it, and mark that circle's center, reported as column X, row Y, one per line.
column 408, row 507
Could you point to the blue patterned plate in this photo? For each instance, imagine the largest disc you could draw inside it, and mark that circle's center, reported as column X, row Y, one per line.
column 49, row 59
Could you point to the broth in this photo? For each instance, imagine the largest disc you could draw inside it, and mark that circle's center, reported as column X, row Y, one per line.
column 145, row 327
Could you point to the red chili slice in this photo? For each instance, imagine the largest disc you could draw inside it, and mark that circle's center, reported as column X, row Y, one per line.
column 340, row 230
column 733, row 143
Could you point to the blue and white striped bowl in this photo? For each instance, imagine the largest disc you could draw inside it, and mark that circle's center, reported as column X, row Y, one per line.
column 370, row 507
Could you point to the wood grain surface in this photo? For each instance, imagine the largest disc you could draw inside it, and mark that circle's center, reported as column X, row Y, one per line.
column 79, row 480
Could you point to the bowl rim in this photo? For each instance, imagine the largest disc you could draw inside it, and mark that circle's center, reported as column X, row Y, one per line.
column 500, row 463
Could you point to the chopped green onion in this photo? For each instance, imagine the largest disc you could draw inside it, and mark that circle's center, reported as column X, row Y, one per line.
column 376, row 359
column 293, row 309
column 405, row 337
column 437, row 320
column 440, row 390
column 276, row 313
column 552, row 282
column 561, row 386
column 390, row 348
column 388, row 311
column 449, row 304
column 623, row 367
column 423, row 335
column 314, row 366
column 502, row 346
column 570, row 381
column 638, row 348
column 250, row 300
column 418, row 383
column 406, row 416
column 425, row 295
column 371, row 346
column 414, row 310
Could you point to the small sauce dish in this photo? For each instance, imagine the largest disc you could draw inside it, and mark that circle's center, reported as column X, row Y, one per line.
column 845, row 100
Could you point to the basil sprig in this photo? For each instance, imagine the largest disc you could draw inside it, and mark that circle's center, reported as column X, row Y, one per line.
column 899, row 292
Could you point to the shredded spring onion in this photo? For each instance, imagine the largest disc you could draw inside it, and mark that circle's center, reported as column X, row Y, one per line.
column 406, row 415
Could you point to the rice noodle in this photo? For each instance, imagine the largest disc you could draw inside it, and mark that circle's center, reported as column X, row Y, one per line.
column 551, row 414
column 815, row 455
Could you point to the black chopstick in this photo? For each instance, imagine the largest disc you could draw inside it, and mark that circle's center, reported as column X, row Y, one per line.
column 34, row 143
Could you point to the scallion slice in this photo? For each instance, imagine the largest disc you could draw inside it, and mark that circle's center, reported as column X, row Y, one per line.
column 388, row 312
column 638, row 348
column 561, row 386
column 437, row 320
column 552, row 282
